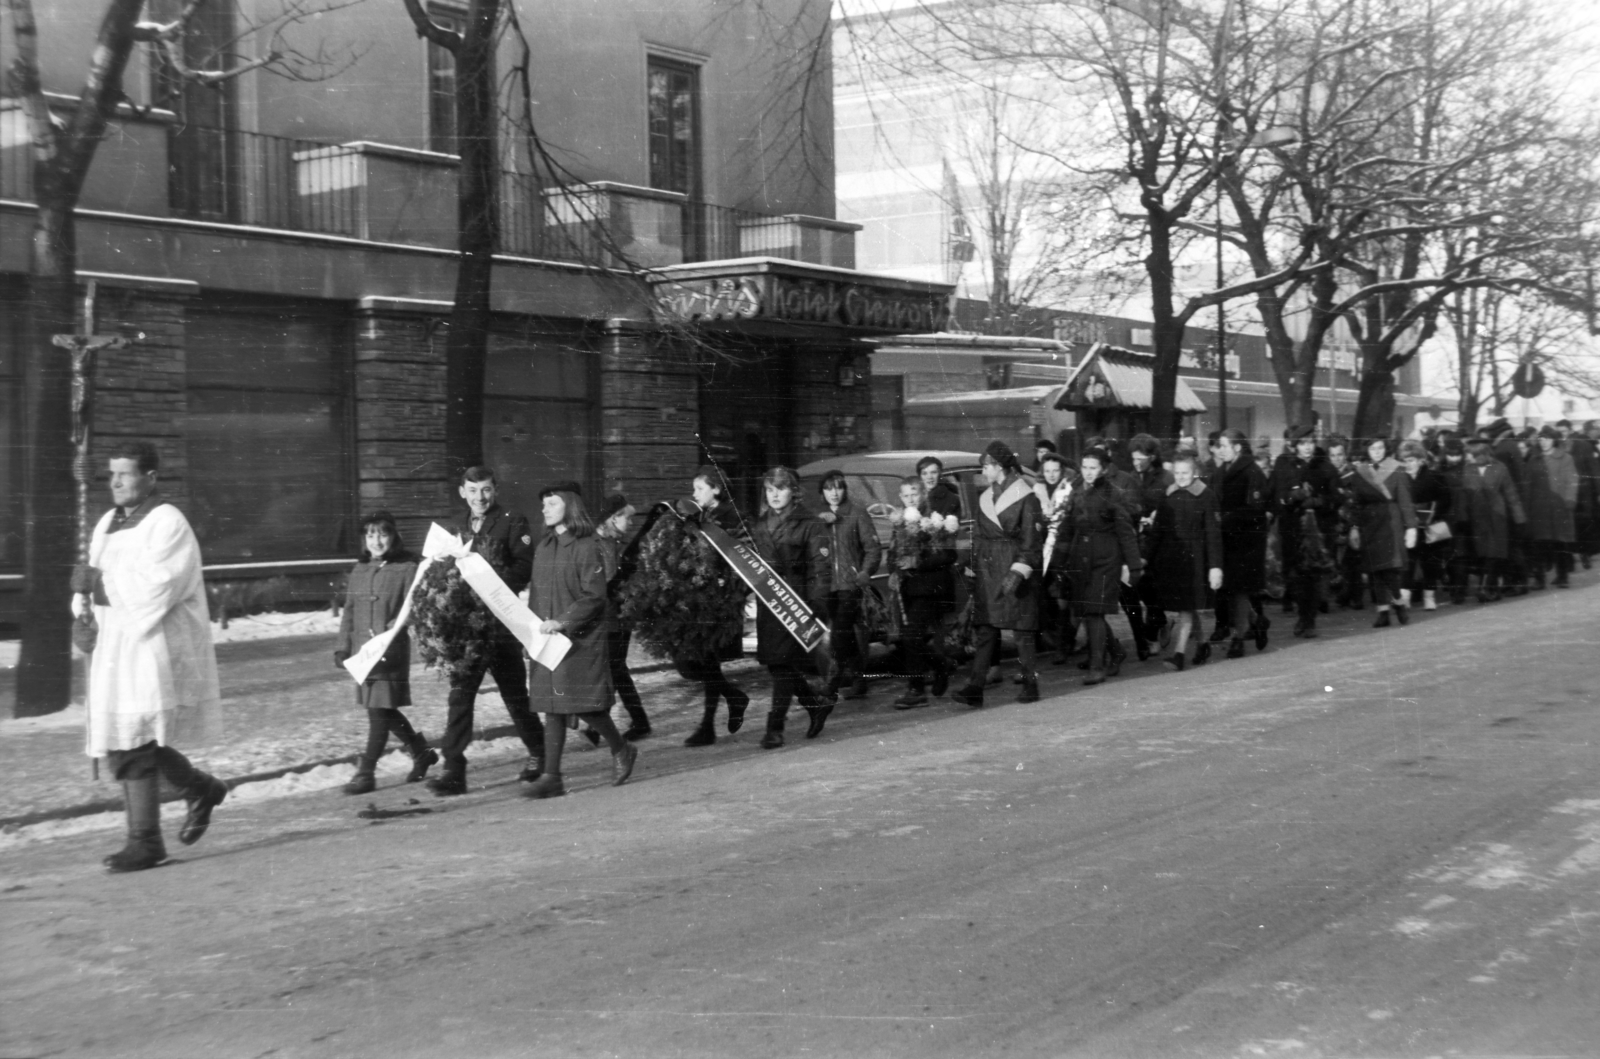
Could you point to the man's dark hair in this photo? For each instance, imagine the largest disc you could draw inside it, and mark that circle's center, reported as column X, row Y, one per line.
column 1046, row 444
column 142, row 453
column 477, row 473
column 930, row 461
column 834, row 478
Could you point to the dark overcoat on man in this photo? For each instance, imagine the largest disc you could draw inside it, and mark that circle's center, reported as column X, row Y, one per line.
column 1490, row 506
column 1242, row 506
column 1102, row 543
column 1007, row 537
column 1551, row 492
column 796, row 545
column 1185, row 545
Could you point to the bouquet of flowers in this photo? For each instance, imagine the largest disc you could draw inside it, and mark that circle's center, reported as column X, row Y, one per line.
column 452, row 627
column 918, row 535
column 682, row 601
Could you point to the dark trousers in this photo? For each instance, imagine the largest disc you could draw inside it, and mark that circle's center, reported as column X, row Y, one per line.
column 1428, row 565
column 708, row 671
column 986, row 648
column 503, row 661
column 1386, row 587
column 617, row 658
column 844, row 609
column 1301, row 580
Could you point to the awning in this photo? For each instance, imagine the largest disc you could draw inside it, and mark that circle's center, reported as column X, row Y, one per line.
column 1110, row 377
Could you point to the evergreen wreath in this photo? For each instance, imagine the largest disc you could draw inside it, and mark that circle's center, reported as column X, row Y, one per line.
column 453, row 628
column 682, row 601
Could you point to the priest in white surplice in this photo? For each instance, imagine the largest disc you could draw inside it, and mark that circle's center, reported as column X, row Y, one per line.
column 153, row 674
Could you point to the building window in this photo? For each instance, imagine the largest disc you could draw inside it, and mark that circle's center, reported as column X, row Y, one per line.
column 442, row 84
column 203, row 180
column 674, row 99
column 267, row 432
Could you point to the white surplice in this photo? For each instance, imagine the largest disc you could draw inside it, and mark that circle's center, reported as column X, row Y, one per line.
column 154, row 672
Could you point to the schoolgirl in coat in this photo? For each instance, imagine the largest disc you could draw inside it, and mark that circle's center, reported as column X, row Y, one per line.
column 567, row 591
column 1007, row 553
column 1242, row 501
column 796, row 545
column 1056, row 485
column 1185, row 560
column 1386, row 525
column 377, row 589
column 853, row 542
column 1102, row 544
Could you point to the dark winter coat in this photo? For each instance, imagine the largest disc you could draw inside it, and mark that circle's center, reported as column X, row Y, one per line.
column 1433, row 496
column 569, row 585
column 1154, row 481
column 854, row 543
column 1490, row 506
column 1298, row 484
column 945, row 499
column 1550, row 481
column 376, row 592
column 1103, row 542
column 1242, row 506
column 1185, row 545
column 1007, row 536
column 932, row 577
column 506, row 542
column 1383, row 512
column 797, row 547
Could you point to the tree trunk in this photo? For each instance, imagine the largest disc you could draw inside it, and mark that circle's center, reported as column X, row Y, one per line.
column 1167, row 335
column 44, row 670
column 467, row 350
column 1375, row 405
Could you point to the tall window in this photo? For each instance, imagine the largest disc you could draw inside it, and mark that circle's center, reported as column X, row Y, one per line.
column 269, row 472
column 674, row 98
column 442, row 84
column 203, row 181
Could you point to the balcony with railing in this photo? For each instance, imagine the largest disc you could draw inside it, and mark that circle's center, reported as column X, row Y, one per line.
column 390, row 194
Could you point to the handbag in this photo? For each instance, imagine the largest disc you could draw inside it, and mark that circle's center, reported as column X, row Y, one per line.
column 1435, row 532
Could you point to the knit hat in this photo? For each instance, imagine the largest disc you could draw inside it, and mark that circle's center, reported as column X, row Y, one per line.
column 999, row 452
column 611, row 505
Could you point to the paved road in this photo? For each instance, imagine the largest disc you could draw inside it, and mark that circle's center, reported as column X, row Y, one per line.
column 1383, row 846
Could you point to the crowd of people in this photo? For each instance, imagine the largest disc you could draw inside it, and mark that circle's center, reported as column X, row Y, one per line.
column 1163, row 536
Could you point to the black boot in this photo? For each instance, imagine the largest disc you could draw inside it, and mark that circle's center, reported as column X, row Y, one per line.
column 363, row 782
column 203, row 795
column 738, row 702
column 423, row 757
column 638, row 722
column 145, row 848
column 774, row 737
column 1236, row 649
column 1030, row 687
column 706, row 734
column 1117, row 654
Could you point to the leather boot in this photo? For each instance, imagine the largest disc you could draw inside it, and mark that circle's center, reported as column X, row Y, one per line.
column 738, row 702
column 363, row 782
column 706, row 734
column 1030, row 687
column 145, row 848
column 204, row 795
column 774, row 737
column 423, row 757
column 1117, row 655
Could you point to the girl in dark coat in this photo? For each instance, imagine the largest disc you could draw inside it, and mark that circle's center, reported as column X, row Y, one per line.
column 378, row 588
column 1431, row 495
column 1386, row 525
column 1007, row 542
column 854, row 543
column 1102, row 545
column 1242, row 506
column 1490, row 506
column 711, row 496
column 568, row 592
column 1185, row 551
column 796, row 545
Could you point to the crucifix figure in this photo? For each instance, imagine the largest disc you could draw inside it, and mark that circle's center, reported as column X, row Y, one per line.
column 82, row 347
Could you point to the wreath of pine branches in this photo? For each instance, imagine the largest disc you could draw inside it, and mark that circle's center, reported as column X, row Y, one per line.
column 453, row 628
column 682, row 601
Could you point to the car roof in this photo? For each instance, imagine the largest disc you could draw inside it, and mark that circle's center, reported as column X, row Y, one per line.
column 902, row 463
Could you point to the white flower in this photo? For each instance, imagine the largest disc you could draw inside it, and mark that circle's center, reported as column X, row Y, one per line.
column 913, row 516
column 951, row 524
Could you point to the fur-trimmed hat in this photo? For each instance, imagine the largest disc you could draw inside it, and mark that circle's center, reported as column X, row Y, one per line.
column 1001, row 453
column 612, row 504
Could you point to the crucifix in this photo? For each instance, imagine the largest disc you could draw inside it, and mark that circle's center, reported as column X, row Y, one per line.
column 83, row 346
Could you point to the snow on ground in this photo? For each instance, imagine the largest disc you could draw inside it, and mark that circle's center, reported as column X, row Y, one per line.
column 255, row 627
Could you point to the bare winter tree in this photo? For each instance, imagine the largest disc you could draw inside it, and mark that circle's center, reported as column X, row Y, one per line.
column 63, row 149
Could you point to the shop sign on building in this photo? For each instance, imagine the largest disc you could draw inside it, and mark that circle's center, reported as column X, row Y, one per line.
column 806, row 300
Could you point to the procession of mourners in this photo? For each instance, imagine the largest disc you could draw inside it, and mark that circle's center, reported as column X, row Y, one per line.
column 928, row 594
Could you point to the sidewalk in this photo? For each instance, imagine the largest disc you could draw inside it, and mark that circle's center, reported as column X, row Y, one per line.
column 292, row 725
